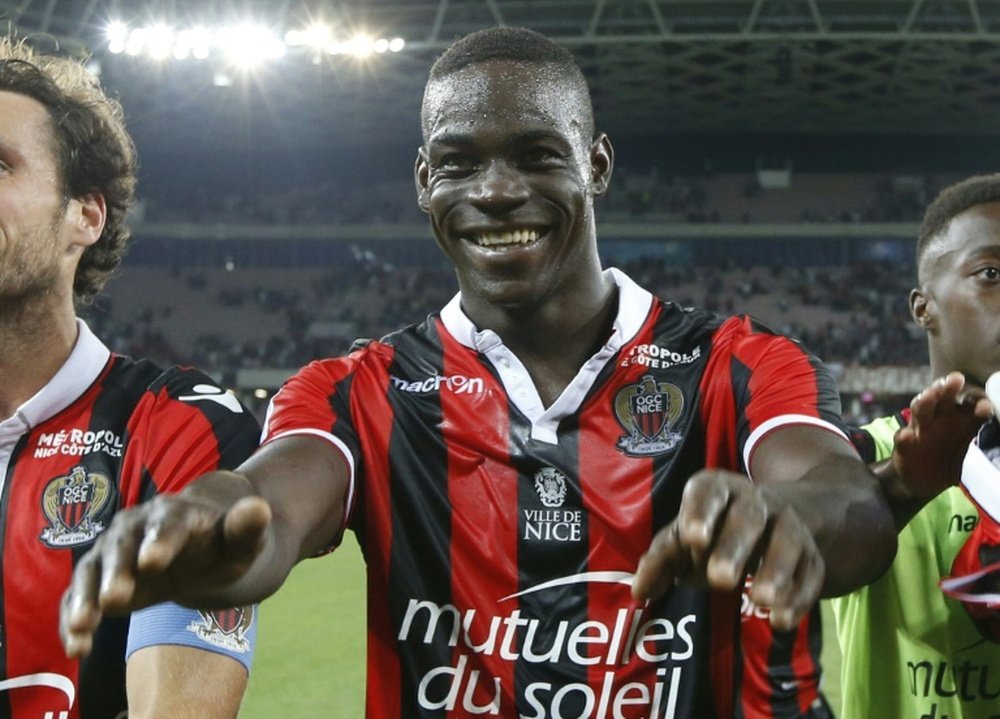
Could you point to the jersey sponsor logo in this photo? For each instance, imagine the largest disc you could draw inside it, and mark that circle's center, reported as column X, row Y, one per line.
column 657, row 357
column 225, row 628
column 631, row 635
column 45, row 679
column 211, row 393
column 456, row 383
column 975, row 684
column 72, row 503
column 748, row 608
column 962, row 523
column 648, row 412
column 78, row 442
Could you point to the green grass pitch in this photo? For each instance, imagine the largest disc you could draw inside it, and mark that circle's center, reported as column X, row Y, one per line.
column 310, row 657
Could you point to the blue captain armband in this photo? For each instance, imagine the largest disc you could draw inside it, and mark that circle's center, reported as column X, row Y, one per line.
column 232, row 632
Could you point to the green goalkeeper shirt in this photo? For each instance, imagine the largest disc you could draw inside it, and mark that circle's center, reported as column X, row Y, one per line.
column 910, row 652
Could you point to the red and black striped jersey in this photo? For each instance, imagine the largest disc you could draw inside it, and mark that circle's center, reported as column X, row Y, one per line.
column 106, row 433
column 501, row 535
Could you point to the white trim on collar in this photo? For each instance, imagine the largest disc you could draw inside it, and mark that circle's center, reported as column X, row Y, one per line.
column 84, row 365
column 633, row 308
column 981, row 479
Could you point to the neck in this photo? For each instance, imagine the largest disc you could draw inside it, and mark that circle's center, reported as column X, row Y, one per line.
column 554, row 338
column 35, row 340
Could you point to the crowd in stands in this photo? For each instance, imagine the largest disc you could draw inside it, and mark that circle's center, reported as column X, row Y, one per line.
column 638, row 196
column 225, row 321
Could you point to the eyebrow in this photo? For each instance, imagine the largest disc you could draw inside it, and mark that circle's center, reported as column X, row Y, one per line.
column 527, row 136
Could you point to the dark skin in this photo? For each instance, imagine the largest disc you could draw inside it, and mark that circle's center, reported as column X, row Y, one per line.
column 507, row 174
column 957, row 303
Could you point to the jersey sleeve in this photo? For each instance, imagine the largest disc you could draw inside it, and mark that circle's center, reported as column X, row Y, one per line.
column 774, row 383
column 184, row 426
column 232, row 632
column 316, row 402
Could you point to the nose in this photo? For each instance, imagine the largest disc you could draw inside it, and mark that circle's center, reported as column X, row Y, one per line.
column 498, row 186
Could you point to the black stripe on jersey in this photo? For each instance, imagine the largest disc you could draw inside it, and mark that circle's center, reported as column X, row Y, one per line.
column 5, row 708
column 421, row 517
column 671, row 471
column 670, row 474
column 102, row 672
column 541, row 559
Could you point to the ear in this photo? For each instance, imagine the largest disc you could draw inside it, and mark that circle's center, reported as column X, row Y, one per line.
column 89, row 212
column 421, row 176
column 602, row 161
column 922, row 310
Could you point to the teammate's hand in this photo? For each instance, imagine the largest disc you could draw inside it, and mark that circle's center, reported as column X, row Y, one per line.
column 928, row 453
column 725, row 529
column 171, row 548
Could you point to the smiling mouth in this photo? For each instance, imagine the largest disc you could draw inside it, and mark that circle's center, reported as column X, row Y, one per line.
column 498, row 240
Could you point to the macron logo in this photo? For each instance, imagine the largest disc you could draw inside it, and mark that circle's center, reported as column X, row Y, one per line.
column 209, row 393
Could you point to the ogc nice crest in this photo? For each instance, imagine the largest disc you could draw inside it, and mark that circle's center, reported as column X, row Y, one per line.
column 648, row 411
column 226, row 628
column 71, row 504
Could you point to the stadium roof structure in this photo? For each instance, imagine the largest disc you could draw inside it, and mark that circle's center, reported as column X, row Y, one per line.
column 775, row 66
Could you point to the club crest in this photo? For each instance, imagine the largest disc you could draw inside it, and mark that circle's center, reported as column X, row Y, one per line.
column 72, row 504
column 648, row 411
column 551, row 486
column 225, row 628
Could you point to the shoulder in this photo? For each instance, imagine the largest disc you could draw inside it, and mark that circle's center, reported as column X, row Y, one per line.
column 180, row 392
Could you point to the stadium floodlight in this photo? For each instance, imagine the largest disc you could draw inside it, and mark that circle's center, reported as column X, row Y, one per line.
column 317, row 36
column 396, row 44
column 380, row 45
column 361, row 45
column 249, row 45
column 159, row 42
column 200, row 39
column 117, row 35
column 136, row 42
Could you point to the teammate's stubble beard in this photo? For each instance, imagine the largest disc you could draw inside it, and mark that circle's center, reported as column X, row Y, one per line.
column 30, row 275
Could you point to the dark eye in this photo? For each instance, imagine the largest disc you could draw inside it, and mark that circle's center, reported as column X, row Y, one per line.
column 453, row 164
column 540, row 157
column 991, row 273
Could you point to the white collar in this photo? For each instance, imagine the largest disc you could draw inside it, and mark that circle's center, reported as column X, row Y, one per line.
column 633, row 307
column 84, row 364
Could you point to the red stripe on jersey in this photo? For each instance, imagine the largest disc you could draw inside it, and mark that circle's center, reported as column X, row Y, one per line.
column 482, row 492
column 619, row 531
column 29, row 611
column 382, row 697
column 804, row 665
column 313, row 382
column 796, row 370
column 736, row 345
column 167, row 439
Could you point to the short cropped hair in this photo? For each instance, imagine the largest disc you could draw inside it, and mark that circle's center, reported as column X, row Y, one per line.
column 953, row 201
column 94, row 151
column 516, row 44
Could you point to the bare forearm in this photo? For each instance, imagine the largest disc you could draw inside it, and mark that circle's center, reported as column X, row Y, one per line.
column 904, row 503
column 845, row 509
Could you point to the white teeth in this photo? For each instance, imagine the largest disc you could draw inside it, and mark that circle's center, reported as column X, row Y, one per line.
column 496, row 239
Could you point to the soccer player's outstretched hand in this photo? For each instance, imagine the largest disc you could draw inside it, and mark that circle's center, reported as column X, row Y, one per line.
column 725, row 528
column 176, row 548
column 928, row 453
